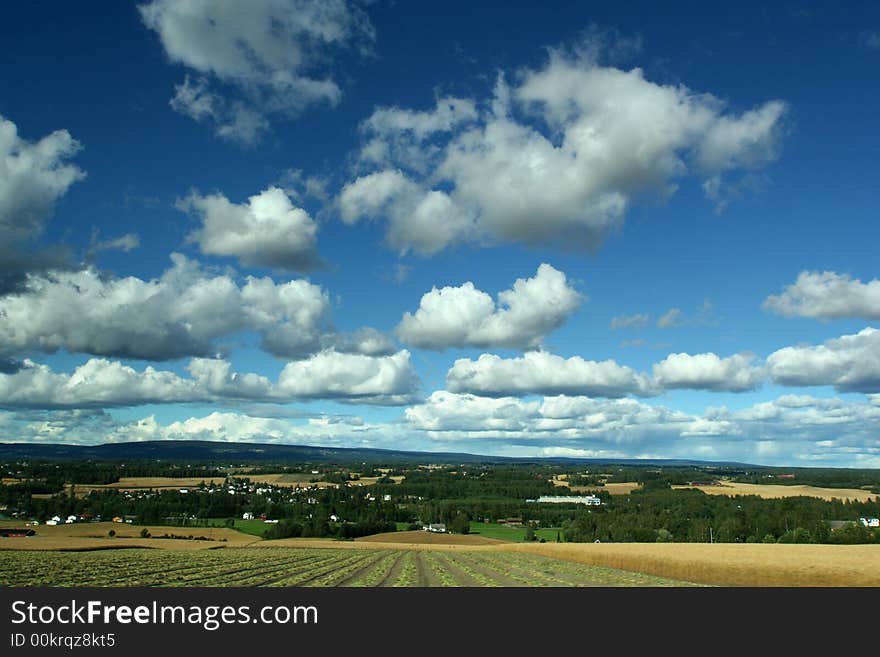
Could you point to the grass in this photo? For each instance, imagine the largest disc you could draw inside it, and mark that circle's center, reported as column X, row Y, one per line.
column 507, row 533
column 254, row 527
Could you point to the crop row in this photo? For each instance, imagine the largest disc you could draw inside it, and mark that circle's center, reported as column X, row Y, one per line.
column 305, row 567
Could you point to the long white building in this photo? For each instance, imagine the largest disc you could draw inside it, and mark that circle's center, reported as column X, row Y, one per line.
column 589, row 500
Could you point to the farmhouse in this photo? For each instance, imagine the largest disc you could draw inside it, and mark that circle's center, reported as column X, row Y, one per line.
column 870, row 522
column 589, row 500
column 247, row 515
column 437, row 527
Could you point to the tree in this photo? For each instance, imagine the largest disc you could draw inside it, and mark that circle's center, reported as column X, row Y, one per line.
column 461, row 523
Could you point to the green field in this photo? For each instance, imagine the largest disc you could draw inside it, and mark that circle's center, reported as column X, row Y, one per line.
column 252, row 527
column 322, row 567
column 505, row 533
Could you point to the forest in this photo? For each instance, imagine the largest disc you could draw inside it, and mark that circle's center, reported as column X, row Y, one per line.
column 454, row 494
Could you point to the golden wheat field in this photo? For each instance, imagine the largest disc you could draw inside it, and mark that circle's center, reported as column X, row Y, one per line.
column 727, row 564
column 779, row 491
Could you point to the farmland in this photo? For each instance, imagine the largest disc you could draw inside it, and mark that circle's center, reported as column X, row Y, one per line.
column 772, row 491
column 315, row 567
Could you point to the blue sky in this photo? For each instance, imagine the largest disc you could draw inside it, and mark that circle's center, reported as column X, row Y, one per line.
column 503, row 229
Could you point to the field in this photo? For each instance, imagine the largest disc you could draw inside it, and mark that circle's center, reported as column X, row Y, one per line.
column 620, row 488
column 428, row 538
column 729, row 564
column 143, row 483
column 95, row 536
column 779, row 491
column 303, row 480
column 507, row 533
column 307, row 567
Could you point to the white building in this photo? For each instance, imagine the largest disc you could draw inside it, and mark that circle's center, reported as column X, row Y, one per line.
column 870, row 522
column 589, row 500
column 247, row 515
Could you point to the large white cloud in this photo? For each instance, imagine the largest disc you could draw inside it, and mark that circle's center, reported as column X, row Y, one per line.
column 595, row 139
column 101, row 383
column 708, row 371
column 542, row 373
column 849, row 363
column 827, row 295
column 426, row 221
column 182, row 313
column 330, row 374
column 466, row 316
column 33, row 176
column 267, row 231
column 272, row 51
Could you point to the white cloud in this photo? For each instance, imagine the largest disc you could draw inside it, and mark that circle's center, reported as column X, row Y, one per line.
column 367, row 341
column 466, row 316
column 849, row 363
column 267, row 231
column 330, row 374
column 596, row 139
column 708, row 371
column 827, row 295
column 829, row 431
column 100, row 383
column 33, row 176
column 636, row 321
column 671, row 318
column 542, row 373
column 233, row 121
column 424, row 221
column 272, row 52
column 183, row 313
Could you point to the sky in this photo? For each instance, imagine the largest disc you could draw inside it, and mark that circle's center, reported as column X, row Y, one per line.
column 603, row 230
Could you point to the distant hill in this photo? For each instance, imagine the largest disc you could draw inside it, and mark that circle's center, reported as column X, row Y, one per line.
column 219, row 452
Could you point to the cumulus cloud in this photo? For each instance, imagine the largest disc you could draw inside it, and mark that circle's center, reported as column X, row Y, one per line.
column 33, row 176
column 708, row 371
column 827, row 295
column 366, row 341
column 810, row 430
column 330, row 374
column 98, row 382
column 465, row 316
column 850, row 363
column 182, row 313
column 595, row 140
column 267, row 231
column 424, row 221
column 271, row 53
column 101, row 383
column 542, row 373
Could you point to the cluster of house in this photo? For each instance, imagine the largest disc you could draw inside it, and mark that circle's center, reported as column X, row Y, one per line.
column 85, row 517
